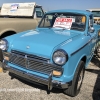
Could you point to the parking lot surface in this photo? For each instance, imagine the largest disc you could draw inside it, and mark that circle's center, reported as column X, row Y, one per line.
column 17, row 89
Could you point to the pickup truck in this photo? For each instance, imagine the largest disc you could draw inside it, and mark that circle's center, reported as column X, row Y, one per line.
column 56, row 53
column 17, row 17
column 96, row 15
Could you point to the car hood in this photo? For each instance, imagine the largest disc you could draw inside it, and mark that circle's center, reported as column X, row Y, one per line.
column 41, row 41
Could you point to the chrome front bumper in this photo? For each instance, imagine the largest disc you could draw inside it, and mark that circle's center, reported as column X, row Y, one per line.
column 38, row 79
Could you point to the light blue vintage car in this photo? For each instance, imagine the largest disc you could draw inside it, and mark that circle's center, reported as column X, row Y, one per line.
column 56, row 53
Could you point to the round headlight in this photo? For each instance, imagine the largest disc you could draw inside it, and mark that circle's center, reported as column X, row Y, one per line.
column 60, row 57
column 3, row 44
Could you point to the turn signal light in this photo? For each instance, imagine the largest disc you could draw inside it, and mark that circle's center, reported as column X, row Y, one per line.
column 57, row 73
column 1, row 70
column 6, row 58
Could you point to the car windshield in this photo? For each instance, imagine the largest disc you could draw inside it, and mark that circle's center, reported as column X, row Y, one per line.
column 96, row 13
column 70, row 21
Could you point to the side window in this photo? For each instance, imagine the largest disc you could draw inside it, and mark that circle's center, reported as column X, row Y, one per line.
column 47, row 21
column 39, row 12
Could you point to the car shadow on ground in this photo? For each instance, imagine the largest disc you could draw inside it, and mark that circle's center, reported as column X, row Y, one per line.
column 37, row 85
column 96, row 90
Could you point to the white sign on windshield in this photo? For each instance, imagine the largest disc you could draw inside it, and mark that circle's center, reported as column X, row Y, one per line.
column 63, row 23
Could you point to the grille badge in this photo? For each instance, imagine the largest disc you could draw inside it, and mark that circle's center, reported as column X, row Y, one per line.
column 27, row 47
column 25, row 56
column 48, row 62
column 26, row 61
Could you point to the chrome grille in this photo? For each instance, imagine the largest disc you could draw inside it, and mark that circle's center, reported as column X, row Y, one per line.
column 15, row 59
column 29, row 55
column 32, row 62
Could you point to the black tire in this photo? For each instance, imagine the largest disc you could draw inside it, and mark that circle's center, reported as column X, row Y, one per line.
column 74, row 89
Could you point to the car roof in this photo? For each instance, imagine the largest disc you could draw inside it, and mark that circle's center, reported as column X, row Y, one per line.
column 71, row 11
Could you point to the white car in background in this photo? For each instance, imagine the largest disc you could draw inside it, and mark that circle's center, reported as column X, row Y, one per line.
column 96, row 13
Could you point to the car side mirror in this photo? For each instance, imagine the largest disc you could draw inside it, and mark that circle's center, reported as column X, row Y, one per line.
column 91, row 29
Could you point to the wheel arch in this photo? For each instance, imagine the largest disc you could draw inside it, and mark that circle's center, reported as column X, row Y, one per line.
column 6, row 33
column 82, row 58
column 72, row 73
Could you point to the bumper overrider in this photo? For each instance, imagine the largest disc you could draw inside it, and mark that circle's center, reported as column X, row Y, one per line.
column 34, row 78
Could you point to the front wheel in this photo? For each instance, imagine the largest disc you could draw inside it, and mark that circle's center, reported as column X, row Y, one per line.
column 74, row 89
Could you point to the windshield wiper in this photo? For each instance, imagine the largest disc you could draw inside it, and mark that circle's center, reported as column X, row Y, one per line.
column 63, row 28
column 77, row 28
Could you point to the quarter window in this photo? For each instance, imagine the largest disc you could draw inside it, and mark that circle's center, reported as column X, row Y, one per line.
column 39, row 12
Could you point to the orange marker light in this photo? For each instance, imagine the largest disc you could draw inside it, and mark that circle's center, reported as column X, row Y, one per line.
column 57, row 73
column 6, row 58
column 1, row 70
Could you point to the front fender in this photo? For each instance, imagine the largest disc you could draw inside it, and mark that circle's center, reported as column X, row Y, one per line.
column 71, row 66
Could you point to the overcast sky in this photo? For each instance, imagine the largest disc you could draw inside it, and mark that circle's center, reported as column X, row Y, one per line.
column 60, row 4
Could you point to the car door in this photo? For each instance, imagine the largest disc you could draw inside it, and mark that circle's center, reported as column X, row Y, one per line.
column 92, row 34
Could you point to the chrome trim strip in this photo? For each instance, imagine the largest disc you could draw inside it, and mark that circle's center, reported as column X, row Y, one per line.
column 82, row 46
